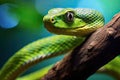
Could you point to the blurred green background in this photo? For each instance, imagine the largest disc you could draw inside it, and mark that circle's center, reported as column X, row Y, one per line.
column 21, row 23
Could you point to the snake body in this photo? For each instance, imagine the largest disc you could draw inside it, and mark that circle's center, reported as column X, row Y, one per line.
column 73, row 25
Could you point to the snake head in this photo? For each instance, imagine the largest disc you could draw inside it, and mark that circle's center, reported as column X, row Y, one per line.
column 70, row 21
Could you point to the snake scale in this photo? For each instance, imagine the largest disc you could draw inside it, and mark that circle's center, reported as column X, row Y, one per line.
column 72, row 25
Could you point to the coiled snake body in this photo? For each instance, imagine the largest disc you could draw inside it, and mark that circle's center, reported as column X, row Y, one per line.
column 73, row 25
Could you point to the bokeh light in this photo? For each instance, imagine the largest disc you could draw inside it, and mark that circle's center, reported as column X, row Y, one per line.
column 7, row 19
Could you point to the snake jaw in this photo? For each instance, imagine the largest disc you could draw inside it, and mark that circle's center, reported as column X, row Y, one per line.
column 78, row 31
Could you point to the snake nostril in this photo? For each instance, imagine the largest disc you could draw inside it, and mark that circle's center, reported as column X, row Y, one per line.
column 52, row 20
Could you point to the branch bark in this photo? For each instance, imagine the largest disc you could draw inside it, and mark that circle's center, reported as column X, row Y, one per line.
column 98, row 49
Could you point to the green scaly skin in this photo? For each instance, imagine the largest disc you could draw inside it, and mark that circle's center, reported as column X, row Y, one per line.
column 73, row 22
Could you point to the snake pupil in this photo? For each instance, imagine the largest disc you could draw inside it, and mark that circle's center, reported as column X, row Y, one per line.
column 69, row 16
column 52, row 19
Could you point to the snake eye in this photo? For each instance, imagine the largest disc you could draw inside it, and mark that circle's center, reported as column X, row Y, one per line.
column 69, row 16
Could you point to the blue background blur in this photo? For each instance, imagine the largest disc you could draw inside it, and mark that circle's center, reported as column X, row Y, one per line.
column 21, row 23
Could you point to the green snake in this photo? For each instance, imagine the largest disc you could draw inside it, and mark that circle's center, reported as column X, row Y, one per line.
column 72, row 25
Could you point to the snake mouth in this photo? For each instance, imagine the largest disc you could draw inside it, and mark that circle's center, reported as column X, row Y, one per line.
column 78, row 31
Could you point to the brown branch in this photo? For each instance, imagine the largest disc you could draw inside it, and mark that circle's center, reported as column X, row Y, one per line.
column 101, row 47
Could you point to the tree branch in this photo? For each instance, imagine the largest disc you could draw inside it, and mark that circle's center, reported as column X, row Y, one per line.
column 100, row 48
